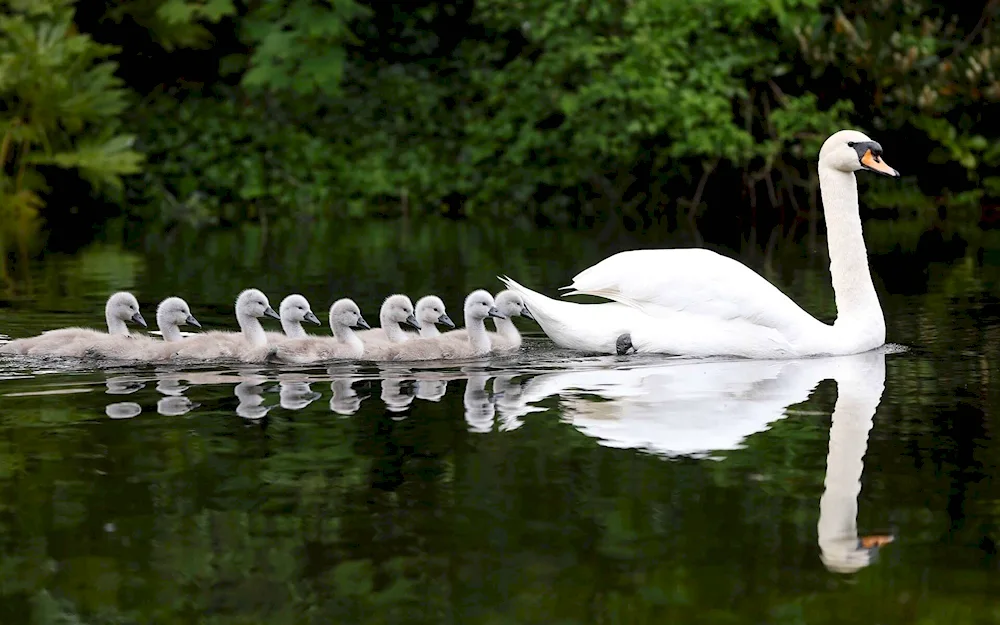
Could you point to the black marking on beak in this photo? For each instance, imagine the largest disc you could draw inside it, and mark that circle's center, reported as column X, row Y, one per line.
column 870, row 157
column 411, row 320
column 445, row 320
column 269, row 312
column 137, row 318
column 362, row 324
column 496, row 313
column 192, row 321
column 526, row 313
column 311, row 318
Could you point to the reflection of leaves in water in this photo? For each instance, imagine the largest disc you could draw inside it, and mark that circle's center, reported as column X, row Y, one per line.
column 309, row 517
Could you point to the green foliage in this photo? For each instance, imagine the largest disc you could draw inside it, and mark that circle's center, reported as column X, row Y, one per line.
column 598, row 101
column 62, row 108
column 175, row 23
column 568, row 110
column 298, row 45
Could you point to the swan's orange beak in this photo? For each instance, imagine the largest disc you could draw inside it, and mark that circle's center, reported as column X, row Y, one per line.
column 875, row 541
column 877, row 165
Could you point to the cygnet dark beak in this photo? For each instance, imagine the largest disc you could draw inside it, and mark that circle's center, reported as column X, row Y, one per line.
column 496, row 313
column 269, row 312
column 526, row 313
column 362, row 324
column 192, row 321
column 311, row 318
column 411, row 320
column 446, row 320
column 137, row 318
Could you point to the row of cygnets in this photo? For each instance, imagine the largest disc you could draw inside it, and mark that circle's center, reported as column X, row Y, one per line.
column 352, row 337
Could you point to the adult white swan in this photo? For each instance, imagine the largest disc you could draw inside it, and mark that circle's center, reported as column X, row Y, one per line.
column 695, row 302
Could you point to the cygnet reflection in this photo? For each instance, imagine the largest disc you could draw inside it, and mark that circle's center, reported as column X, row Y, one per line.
column 345, row 400
column 123, row 410
column 169, row 383
column 508, row 396
column 175, row 406
column 479, row 409
column 123, row 385
column 295, row 394
column 430, row 385
column 250, row 392
column 396, row 393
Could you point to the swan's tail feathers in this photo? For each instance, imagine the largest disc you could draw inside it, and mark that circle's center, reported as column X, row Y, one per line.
column 605, row 293
column 611, row 294
column 568, row 324
column 544, row 309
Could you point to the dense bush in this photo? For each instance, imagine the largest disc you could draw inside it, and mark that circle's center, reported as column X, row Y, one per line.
column 558, row 110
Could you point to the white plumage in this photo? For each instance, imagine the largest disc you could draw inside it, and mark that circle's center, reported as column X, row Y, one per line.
column 696, row 302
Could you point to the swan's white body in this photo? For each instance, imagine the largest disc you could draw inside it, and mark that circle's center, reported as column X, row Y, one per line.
column 120, row 308
column 696, row 302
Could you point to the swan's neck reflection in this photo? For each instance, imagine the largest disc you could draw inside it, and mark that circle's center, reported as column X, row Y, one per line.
column 857, row 399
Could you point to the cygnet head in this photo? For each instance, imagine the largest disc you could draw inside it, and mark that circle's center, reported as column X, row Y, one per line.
column 345, row 313
column 480, row 305
column 174, row 311
column 511, row 304
column 252, row 303
column 398, row 309
column 850, row 151
column 123, row 306
column 430, row 310
column 295, row 309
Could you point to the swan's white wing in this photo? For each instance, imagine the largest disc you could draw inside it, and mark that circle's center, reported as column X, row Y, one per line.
column 596, row 327
column 692, row 280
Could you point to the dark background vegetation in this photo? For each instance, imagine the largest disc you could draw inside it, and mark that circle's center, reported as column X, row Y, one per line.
column 565, row 113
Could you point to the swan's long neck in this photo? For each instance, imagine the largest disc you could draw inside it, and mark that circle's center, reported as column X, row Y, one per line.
column 293, row 329
column 478, row 338
column 857, row 301
column 507, row 329
column 116, row 326
column 429, row 329
column 253, row 332
column 393, row 332
column 170, row 331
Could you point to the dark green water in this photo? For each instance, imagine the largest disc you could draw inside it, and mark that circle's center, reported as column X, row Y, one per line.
column 542, row 488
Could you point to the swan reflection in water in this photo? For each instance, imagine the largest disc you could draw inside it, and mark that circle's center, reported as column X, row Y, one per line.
column 675, row 407
column 698, row 408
